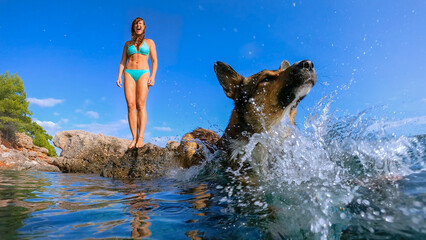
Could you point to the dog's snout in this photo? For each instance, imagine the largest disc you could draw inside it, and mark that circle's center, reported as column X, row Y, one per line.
column 308, row 64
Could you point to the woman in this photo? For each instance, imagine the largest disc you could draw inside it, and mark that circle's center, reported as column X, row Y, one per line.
column 137, row 78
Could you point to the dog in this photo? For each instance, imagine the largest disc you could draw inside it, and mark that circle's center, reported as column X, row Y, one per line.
column 260, row 102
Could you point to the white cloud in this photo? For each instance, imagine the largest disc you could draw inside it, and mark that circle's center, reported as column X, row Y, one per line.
column 64, row 120
column 47, row 102
column 92, row 114
column 87, row 102
column 56, row 114
column 110, row 129
column 164, row 129
column 51, row 127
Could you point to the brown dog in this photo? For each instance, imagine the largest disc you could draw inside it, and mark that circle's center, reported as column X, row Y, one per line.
column 261, row 101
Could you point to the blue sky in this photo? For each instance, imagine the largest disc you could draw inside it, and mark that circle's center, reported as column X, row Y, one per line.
column 68, row 52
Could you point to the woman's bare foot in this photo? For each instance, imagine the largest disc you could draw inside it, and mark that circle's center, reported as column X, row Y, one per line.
column 140, row 143
column 132, row 144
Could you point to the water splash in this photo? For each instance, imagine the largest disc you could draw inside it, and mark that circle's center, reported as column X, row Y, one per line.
column 337, row 175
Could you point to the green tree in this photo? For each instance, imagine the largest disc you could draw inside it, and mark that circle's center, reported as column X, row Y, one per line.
column 14, row 113
column 40, row 137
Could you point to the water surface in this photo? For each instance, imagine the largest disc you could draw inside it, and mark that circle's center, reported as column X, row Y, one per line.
column 340, row 177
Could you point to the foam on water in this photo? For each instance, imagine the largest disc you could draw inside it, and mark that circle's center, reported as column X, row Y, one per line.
column 337, row 174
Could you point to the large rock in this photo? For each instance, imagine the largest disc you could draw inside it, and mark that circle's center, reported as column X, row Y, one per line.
column 86, row 152
column 13, row 159
column 23, row 141
column 24, row 155
column 147, row 162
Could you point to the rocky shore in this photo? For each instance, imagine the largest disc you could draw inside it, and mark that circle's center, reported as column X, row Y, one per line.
column 84, row 152
column 24, row 155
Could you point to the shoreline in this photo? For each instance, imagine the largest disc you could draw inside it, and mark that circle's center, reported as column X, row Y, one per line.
column 85, row 152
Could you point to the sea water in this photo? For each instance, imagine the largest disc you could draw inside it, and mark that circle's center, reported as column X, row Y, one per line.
column 336, row 177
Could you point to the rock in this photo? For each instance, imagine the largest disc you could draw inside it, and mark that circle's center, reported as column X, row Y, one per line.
column 42, row 150
column 147, row 162
column 86, row 152
column 24, row 141
column 26, row 156
column 32, row 154
column 50, row 160
column 16, row 160
column 172, row 145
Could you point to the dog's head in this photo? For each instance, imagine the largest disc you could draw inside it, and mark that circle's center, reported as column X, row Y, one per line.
column 262, row 99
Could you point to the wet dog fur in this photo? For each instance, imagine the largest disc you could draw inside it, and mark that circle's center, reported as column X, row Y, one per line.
column 260, row 102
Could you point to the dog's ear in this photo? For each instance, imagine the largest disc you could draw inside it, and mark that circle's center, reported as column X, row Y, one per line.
column 284, row 64
column 228, row 78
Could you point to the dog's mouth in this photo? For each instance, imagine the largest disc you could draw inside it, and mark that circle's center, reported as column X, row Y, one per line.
column 306, row 87
column 303, row 78
column 311, row 81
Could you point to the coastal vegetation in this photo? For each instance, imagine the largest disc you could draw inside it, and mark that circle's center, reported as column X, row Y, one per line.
column 15, row 115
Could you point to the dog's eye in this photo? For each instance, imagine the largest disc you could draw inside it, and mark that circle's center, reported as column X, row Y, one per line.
column 268, row 79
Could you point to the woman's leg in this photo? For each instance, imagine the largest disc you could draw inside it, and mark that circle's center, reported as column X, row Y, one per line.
column 130, row 93
column 141, row 95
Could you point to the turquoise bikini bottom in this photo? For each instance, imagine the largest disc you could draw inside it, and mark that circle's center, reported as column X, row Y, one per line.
column 136, row 73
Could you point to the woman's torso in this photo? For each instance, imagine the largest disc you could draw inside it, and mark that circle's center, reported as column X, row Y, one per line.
column 137, row 56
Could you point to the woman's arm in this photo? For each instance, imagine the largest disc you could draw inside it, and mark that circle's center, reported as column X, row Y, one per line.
column 122, row 64
column 153, row 55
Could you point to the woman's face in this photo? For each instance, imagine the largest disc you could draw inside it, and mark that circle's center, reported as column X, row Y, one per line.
column 139, row 27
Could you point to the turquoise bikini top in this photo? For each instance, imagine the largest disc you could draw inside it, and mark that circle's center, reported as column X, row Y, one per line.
column 144, row 49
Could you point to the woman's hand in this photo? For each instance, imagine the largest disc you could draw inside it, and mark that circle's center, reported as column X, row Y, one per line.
column 119, row 82
column 151, row 81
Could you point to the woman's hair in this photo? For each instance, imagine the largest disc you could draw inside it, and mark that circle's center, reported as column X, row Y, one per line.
column 138, row 39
